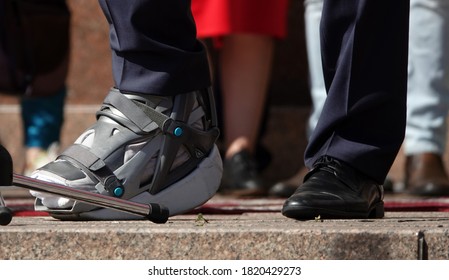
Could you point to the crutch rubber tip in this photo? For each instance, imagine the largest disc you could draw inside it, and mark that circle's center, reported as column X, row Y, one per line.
column 5, row 215
column 158, row 213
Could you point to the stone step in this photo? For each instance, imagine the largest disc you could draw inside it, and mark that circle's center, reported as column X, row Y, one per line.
column 250, row 236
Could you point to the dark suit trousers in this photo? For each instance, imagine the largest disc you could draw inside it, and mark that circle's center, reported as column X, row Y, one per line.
column 154, row 47
column 364, row 46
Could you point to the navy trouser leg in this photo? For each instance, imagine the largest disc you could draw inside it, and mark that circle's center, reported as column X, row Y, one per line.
column 154, row 47
column 364, row 47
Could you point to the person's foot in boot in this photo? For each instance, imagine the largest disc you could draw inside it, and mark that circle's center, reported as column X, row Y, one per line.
column 143, row 148
column 425, row 175
column 335, row 190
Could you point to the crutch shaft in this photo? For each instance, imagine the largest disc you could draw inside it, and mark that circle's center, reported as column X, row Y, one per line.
column 92, row 198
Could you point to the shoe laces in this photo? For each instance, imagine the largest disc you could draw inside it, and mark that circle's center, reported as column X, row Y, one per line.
column 328, row 164
column 335, row 167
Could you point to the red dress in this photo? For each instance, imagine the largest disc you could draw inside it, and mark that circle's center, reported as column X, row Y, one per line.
column 216, row 18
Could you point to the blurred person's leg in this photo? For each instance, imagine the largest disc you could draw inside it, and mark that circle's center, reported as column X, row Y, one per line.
column 428, row 98
column 245, row 68
column 244, row 35
column 42, row 119
column 312, row 17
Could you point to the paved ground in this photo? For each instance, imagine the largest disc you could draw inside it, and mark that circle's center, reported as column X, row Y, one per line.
column 231, row 229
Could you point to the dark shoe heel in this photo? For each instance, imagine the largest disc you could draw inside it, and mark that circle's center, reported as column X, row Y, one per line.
column 378, row 211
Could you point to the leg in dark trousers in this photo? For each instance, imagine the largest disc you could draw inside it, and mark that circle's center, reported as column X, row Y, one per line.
column 154, row 47
column 154, row 139
column 364, row 45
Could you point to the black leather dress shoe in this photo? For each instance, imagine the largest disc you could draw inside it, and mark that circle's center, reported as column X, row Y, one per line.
column 285, row 189
column 240, row 176
column 334, row 190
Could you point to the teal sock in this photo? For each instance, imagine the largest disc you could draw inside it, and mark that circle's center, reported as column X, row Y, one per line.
column 42, row 119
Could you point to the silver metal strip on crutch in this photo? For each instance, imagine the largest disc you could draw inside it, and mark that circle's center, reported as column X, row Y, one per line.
column 153, row 211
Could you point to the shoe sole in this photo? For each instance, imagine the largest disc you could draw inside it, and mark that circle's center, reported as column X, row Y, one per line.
column 311, row 213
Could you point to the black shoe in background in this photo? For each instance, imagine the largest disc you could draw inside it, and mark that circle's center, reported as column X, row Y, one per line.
column 334, row 190
column 285, row 188
column 241, row 177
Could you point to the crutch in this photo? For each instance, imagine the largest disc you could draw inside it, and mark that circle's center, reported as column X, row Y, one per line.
column 154, row 212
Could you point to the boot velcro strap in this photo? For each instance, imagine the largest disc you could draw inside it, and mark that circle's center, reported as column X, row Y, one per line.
column 88, row 161
column 143, row 116
column 135, row 113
